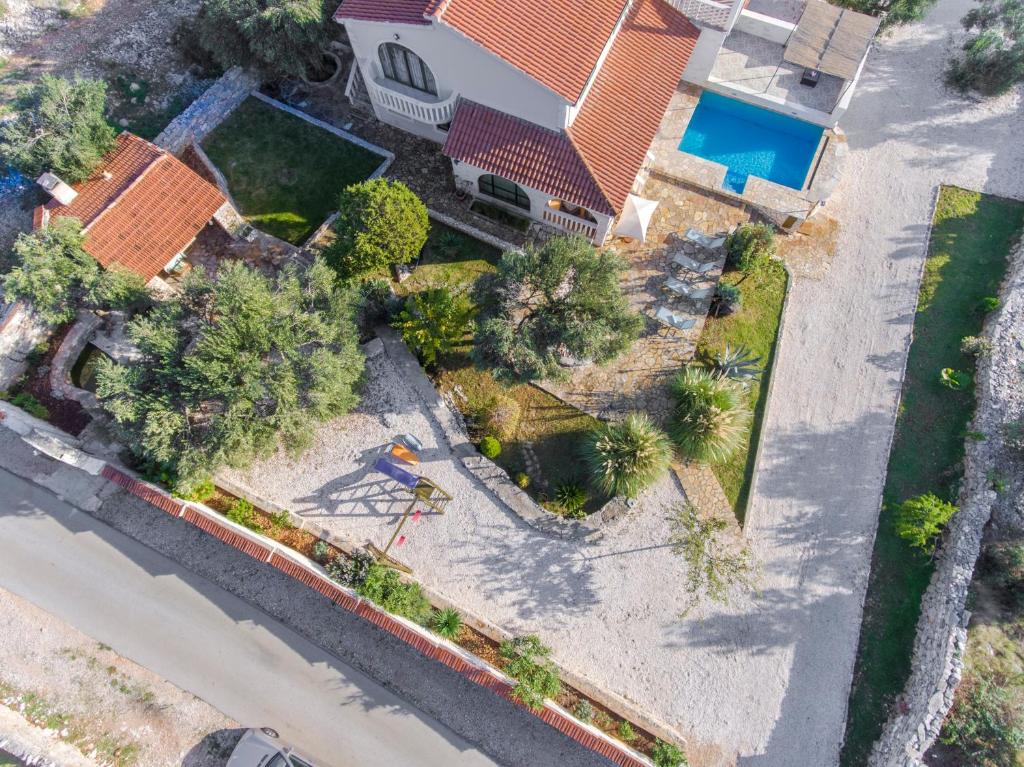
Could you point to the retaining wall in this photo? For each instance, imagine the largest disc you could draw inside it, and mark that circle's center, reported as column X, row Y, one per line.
column 208, row 111
column 939, row 646
column 20, row 332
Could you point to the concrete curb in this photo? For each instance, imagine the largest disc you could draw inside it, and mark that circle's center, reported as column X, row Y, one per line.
column 312, row 575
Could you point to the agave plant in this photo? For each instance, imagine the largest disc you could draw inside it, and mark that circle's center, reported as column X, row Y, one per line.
column 572, row 497
column 738, row 363
column 626, row 457
column 710, row 418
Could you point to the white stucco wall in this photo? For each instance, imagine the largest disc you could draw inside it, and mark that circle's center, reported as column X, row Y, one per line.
column 702, row 60
column 765, row 27
column 466, row 177
column 458, row 65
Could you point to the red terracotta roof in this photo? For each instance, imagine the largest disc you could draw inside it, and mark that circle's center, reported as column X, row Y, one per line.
column 624, row 107
column 556, row 42
column 523, row 152
column 145, row 212
column 389, row 11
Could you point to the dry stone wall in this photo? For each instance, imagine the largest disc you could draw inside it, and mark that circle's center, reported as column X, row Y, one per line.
column 208, row 111
column 20, row 332
column 942, row 627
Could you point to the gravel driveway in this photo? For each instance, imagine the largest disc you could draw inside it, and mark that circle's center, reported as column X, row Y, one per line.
column 766, row 682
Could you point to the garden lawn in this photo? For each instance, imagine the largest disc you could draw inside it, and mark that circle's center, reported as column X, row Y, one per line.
column 285, row 173
column 756, row 326
column 967, row 257
column 450, row 259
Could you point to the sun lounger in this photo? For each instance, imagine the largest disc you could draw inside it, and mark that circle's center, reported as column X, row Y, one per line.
column 694, row 266
column 668, row 317
column 680, row 288
column 704, row 240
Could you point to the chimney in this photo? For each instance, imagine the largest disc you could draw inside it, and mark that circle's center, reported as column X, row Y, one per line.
column 58, row 190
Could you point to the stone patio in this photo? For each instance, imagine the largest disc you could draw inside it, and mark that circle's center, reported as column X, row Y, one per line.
column 638, row 379
column 754, row 64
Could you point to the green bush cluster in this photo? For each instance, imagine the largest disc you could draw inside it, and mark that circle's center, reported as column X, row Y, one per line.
column 750, row 247
column 571, row 497
column 490, row 447
column 350, row 571
column 991, row 59
column 527, row 661
column 667, row 755
column 241, row 512
column 200, row 492
column 584, row 710
column 985, row 723
column 921, row 520
column 625, row 457
column 383, row 587
column 30, row 405
column 710, row 416
column 447, row 622
column 433, row 322
column 321, row 550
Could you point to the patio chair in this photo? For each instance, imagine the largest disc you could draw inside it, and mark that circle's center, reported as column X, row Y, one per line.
column 704, row 240
column 666, row 316
column 694, row 266
column 680, row 288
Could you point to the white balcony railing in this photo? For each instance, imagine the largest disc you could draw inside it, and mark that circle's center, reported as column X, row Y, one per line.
column 707, row 12
column 570, row 223
column 430, row 112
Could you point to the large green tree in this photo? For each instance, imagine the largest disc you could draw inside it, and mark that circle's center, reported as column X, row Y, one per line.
column 58, row 126
column 380, row 223
column 279, row 37
column 992, row 60
column 234, row 367
column 54, row 273
column 545, row 305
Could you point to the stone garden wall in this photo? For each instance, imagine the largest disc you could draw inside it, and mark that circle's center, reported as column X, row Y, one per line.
column 942, row 628
column 208, row 111
column 20, row 332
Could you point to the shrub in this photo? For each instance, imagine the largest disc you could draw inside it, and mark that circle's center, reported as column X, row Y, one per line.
column 30, row 405
column 522, row 480
column 626, row 732
column 979, row 346
column 376, row 301
column 667, row 754
column 281, row 520
column 279, row 37
column 626, row 457
column 571, row 497
column 490, row 447
column 59, row 127
column 710, row 417
column 989, row 304
column 992, row 57
column 985, row 723
column 321, row 550
column 958, row 380
column 584, row 711
column 728, row 298
column 200, row 492
column 499, row 415
column 447, row 622
column 383, row 587
column 527, row 661
column 548, row 307
column 750, row 247
column 920, row 520
column 380, row 223
column 350, row 571
column 241, row 512
column 737, row 363
column 433, row 322
column 714, row 567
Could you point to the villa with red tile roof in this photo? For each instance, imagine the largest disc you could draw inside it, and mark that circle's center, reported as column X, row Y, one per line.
column 139, row 210
column 549, row 108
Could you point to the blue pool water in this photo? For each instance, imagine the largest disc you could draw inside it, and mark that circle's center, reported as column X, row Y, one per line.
column 751, row 141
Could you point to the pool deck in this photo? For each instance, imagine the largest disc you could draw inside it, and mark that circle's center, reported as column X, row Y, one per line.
column 774, row 200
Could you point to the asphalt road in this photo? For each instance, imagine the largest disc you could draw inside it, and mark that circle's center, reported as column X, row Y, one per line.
column 251, row 667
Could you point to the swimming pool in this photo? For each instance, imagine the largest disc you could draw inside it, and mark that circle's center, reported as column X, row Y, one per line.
column 751, row 141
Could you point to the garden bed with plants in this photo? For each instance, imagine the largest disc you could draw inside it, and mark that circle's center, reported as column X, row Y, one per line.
column 971, row 237
column 284, row 172
column 754, row 326
column 524, row 658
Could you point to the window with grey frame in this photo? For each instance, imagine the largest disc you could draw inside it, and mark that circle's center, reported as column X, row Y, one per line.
column 403, row 66
column 502, row 189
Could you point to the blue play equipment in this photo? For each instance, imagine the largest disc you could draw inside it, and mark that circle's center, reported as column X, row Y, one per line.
column 397, row 473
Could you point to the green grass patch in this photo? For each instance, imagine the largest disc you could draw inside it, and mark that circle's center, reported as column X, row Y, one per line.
column 285, row 173
column 967, row 257
column 756, row 326
column 452, row 260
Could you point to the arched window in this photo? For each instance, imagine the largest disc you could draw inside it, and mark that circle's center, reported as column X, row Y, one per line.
column 504, row 190
column 403, row 66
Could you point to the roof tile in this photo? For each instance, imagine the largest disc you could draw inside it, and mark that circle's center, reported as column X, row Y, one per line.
column 389, row 11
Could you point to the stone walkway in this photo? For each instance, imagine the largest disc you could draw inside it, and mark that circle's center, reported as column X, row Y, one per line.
column 638, row 379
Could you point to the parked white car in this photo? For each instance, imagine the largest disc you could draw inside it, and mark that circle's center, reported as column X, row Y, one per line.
column 262, row 748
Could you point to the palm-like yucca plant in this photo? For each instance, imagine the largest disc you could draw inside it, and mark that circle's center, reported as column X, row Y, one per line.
column 626, row 457
column 738, row 363
column 710, row 417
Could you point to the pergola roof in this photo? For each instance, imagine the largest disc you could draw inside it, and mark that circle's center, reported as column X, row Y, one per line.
column 831, row 40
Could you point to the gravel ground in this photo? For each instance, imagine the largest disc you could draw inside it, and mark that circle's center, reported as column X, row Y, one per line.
column 767, row 682
column 87, row 695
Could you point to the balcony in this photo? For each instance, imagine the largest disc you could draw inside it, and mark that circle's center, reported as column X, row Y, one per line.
column 708, row 13
column 570, row 223
column 387, row 94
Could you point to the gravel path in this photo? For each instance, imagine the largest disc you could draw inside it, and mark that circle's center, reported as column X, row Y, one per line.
column 767, row 681
column 52, row 673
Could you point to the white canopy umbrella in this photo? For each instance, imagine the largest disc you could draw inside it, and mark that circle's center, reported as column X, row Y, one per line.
column 636, row 215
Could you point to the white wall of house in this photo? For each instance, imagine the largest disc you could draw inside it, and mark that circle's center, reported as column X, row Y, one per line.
column 702, row 60
column 459, row 66
column 765, row 27
column 467, row 176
